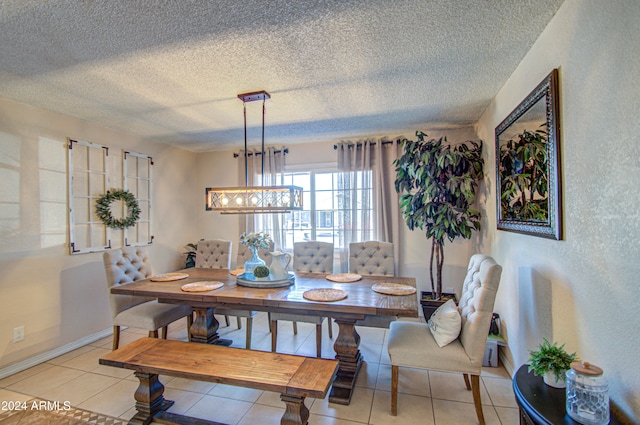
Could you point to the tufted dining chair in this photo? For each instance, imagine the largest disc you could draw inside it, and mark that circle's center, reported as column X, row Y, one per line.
column 216, row 254
column 308, row 257
column 412, row 344
column 127, row 265
column 372, row 258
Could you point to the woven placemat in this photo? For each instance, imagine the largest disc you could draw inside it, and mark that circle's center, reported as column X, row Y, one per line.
column 344, row 277
column 325, row 294
column 203, row 286
column 168, row 277
column 236, row 272
column 388, row 288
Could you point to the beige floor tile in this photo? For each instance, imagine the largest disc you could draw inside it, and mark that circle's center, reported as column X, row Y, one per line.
column 269, row 398
column 200, row 387
column 371, row 352
column 308, row 347
column 412, row 410
column 384, row 355
column 410, row 381
column 12, row 396
column 452, row 412
column 500, row 391
column 80, row 389
column 113, row 401
column 450, row 386
column 508, row 416
column 105, row 342
column 70, row 355
column 368, row 375
column 236, row 393
column 260, row 414
column 114, row 372
column 16, row 377
column 369, row 335
column 45, row 381
column 328, row 420
column 87, row 361
column 219, row 409
column 183, row 400
column 359, row 410
column 495, row 372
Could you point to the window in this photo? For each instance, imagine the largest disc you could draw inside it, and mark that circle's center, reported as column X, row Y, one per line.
column 137, row 180
column 88, row 177
column 329, row 211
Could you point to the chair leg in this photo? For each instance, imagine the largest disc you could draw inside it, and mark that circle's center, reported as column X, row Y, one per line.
column 274, row 334
column 249, row 327
column 475, row 388
column 394, row 390
column 226, row 320
column 466, row 381
column 153, row 334
column 239, row 322
column 189, row 324
column 116, row 337
column 295, row 328
column 329, row 325
column 269, row 320
column 165, row 329
column 319, row 340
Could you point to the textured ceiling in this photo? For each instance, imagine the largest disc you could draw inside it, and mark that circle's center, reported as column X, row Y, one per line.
column 170, row 71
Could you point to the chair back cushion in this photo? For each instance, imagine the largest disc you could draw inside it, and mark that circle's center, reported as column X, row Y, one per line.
column 214, row 254
column 476, row 304
column 124, row 266
column 244, row 254
column 313, row 257
column 372, row 258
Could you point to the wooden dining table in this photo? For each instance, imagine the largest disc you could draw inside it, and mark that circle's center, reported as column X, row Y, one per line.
column 360, row 302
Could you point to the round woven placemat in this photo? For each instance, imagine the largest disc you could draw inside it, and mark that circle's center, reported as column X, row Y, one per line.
column 325, row 294
column 168, row 277
column 236, row 272
column 344, row 277
column 388, row 288
column 201, row 286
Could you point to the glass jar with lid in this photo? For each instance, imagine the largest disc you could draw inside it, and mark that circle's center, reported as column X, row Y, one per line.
column 587, row 394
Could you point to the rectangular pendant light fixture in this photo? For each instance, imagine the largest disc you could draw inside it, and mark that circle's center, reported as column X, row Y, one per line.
column 253, row 199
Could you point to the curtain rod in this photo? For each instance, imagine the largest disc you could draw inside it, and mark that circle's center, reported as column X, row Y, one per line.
column 358, row 144
column 284, row 151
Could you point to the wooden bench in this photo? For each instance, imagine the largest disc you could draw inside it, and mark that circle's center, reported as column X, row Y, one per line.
column 294, row 377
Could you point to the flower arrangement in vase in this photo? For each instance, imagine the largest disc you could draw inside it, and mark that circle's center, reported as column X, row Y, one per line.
column 254, row 241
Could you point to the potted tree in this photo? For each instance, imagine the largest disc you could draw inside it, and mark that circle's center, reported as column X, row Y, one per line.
column 551, row 362
column 437, row 183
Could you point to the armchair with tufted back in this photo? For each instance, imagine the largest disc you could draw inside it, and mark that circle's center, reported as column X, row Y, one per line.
column 412, row 345
column 216, row 254
column 372, row 258
column 127, row 265
column 308, row 257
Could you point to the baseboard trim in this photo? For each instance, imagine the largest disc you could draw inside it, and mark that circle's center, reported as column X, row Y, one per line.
column 506, row 363
column 52, row 354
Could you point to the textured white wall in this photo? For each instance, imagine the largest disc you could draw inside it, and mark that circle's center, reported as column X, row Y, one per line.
column 583, row 290
column 58, row 297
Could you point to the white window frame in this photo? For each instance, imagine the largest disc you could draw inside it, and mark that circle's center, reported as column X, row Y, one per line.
column 132, row 234
column 74, row 194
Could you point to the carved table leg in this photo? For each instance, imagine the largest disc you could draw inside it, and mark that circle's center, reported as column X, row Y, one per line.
column 205, row 328
column 149, row 399
column 296, row 413
column 350, row 360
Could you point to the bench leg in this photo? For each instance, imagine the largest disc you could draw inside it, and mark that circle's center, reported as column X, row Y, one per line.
column 149, row 399
column 296, row 413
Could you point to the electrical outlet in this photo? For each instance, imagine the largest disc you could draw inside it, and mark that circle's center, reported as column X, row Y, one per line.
column 18, row 334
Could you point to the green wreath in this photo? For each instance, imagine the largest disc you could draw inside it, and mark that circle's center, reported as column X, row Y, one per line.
column 103, row 209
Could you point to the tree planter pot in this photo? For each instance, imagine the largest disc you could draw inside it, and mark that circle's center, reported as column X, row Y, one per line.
column 429, row 305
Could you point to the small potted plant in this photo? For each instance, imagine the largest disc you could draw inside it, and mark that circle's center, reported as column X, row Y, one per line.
column 551, row 362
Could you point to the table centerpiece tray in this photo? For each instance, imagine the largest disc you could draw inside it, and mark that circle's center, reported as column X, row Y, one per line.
column 265, row 282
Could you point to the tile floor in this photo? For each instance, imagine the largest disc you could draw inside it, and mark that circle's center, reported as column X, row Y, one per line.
column 430, row 398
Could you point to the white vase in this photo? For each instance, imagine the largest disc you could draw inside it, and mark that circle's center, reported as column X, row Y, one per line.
column 549, row 378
